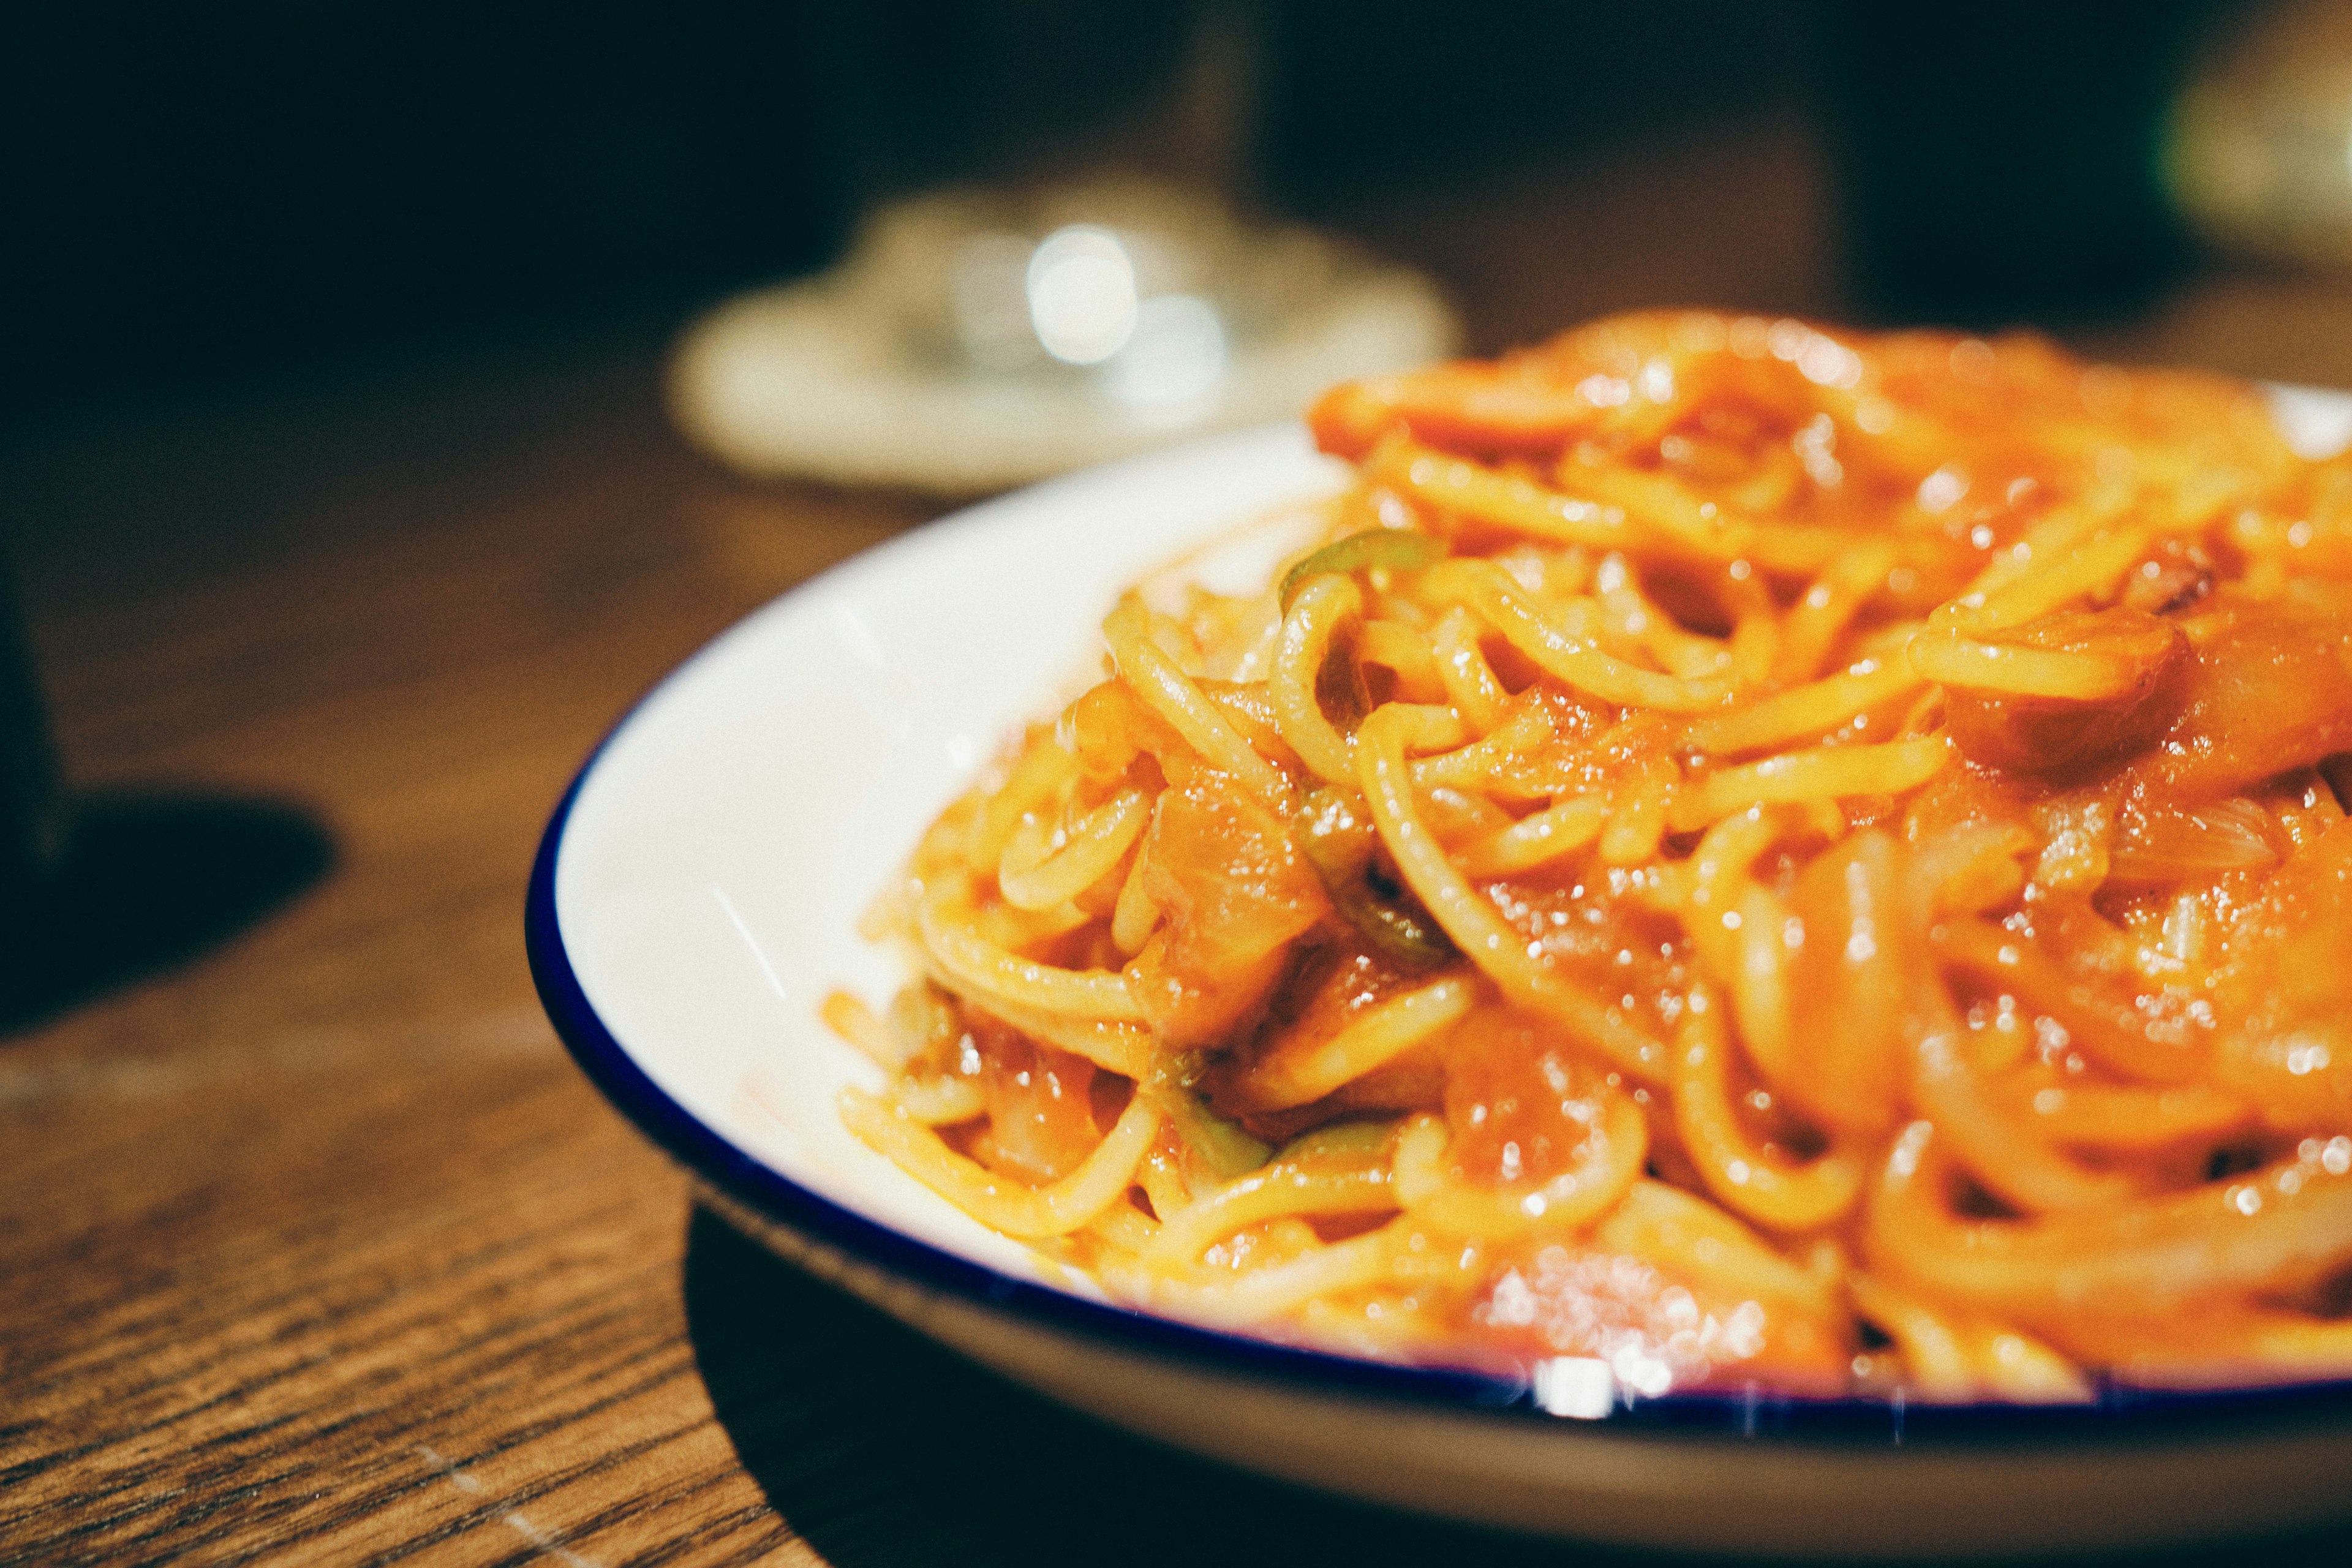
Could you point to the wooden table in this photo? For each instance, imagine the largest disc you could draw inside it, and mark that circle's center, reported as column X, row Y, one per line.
column 316, row 1247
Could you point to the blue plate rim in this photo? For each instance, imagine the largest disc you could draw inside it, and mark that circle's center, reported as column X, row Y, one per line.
column 2117, row 1412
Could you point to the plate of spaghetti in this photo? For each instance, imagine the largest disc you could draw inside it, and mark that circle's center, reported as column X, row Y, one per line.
column 1717, row 913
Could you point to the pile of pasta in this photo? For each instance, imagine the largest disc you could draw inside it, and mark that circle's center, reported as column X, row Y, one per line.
column 1749, row 853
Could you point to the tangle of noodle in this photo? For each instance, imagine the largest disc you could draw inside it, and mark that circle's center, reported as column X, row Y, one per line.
column 1750, row 853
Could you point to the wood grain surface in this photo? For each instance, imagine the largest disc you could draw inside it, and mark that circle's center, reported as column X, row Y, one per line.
column 314, row 1247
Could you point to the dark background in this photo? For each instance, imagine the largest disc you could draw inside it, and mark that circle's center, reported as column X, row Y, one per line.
column 258, row 192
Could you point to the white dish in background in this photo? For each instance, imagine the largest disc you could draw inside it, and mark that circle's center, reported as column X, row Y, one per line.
column 922, row 359
column 696, row 895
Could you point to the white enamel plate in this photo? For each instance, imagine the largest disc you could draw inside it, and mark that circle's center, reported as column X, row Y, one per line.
column 697, row 895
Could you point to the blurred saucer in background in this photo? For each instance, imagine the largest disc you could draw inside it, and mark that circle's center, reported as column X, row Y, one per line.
column 974, row 339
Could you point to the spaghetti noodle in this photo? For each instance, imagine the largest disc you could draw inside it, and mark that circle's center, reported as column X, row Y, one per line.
column 1749, row 853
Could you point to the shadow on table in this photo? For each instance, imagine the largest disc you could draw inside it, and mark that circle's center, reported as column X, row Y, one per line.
column 146, row 882
column 883, row 1450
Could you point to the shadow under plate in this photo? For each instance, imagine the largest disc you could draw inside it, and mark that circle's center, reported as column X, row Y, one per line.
column 883, row 1450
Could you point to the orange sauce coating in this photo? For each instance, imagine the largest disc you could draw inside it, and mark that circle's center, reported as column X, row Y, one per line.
column 1768, row 853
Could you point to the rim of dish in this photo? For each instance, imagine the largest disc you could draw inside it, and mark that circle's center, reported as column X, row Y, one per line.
column 2117, row 1410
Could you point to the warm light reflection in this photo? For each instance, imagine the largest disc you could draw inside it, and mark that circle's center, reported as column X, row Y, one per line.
column 1082, row 298
column 1580, row 1387
column 1176, row 354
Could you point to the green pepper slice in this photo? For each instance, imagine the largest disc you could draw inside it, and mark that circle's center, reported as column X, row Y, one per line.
column 1397, row 549
column 1339, row 844
column 1223, row 1145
